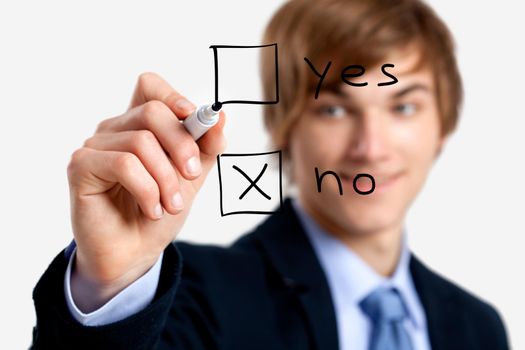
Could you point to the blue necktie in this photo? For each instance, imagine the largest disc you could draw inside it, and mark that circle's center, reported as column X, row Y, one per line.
column 387, row 311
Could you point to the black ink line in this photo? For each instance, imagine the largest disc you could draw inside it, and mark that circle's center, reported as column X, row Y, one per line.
column 216, row 73
column 249, row 102
column 220, row 182
column 216, row 67
column 254, row 182
column 371, row 179
column 321, row 76
column 249, row 154
column 279, row 209
column 276, row 77
column 251, row 212
column 319, row 180
column 394, row 79
column 241, row 46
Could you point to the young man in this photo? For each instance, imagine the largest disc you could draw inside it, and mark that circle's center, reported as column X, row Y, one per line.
column 329, row 271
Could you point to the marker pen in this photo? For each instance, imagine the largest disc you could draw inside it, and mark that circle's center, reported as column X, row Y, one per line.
column 202, row 119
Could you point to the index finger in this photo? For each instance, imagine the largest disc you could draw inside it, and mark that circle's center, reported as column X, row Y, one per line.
column 151, row 86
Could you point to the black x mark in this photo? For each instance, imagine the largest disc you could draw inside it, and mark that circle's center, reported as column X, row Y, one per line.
column 253, row 183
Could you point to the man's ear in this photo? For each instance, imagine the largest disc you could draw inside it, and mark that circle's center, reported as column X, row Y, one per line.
column 443, row 140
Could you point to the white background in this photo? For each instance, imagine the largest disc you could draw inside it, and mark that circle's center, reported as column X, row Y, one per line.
column 67, row 65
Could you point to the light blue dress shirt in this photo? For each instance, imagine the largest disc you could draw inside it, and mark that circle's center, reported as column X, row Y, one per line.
column 350, row 279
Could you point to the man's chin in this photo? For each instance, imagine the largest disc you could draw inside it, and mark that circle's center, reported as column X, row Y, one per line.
column 365, row 221
column 345, row 213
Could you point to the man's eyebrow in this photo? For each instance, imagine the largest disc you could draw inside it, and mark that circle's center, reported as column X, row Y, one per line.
column 411, row 88
column 336, row 88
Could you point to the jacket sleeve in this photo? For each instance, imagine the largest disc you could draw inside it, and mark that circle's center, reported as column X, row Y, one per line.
column 57, row 329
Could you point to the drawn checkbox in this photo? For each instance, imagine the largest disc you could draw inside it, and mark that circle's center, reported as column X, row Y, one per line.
column 250, row 183
column 236, row 67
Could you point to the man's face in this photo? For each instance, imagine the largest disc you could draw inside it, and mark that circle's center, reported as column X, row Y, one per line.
column 390, row 132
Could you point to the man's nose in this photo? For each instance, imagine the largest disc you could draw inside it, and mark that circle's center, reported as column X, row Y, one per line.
column 369, row 141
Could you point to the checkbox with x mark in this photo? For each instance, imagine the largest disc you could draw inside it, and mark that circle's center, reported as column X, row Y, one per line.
column 250, row 183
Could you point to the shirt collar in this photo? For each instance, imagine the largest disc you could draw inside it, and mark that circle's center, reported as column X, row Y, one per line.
column 348, row 273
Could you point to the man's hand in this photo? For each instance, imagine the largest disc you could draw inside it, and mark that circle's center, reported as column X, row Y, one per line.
column 131, row 188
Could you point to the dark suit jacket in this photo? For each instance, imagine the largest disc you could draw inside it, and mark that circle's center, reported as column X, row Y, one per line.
column 266, row 291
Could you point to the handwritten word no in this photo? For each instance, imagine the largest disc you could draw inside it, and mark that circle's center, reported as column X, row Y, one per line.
column 319, row 180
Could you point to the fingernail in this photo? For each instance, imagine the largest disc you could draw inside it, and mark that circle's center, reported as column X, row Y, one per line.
column 176, row 201
column 193, row 166
column 158, row 210
column 184, row 105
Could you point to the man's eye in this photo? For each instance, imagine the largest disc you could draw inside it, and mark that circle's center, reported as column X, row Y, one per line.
column 334, row 111
column 405, row 109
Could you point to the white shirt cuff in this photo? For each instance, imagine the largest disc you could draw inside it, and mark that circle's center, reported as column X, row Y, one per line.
column 129, row 301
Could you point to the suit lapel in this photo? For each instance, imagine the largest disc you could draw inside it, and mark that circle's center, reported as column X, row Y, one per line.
column 289, row 250
column 441, row 312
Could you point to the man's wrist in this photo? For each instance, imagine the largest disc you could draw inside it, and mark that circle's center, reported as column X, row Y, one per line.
column 95, row 306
